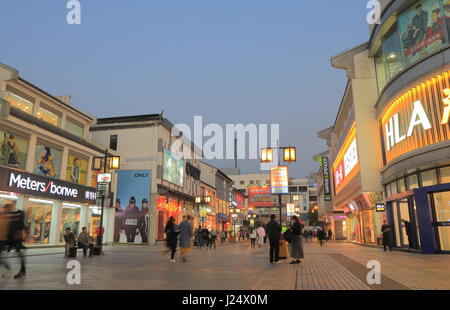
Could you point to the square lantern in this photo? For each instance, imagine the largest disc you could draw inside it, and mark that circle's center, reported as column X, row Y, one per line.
column 290, row 154
column 266, row 155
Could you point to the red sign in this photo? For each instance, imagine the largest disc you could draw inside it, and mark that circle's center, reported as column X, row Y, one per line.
column 260, row 196
column 339, row 174
column 239, row 198
column 169, row 205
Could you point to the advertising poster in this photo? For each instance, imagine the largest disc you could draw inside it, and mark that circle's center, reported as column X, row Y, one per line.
column 290, row 209
column 259, row 196
column 326, row 178
column 422, row 29
column 132, row 206
column 76, row 170
column 279, row 180
column 47, row 161
column 173, row 171
column 13, row 150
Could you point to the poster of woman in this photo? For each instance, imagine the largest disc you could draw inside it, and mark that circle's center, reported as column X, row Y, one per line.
column 12, row 150
column 47, row 161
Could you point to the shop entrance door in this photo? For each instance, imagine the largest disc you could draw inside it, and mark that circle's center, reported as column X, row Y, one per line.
column 441, row 214
column 408, row 233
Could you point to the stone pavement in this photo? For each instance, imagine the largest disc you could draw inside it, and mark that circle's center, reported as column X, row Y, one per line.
column 336, row 266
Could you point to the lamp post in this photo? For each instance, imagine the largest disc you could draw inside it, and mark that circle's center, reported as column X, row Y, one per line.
column 289, row 156
column 100, row 163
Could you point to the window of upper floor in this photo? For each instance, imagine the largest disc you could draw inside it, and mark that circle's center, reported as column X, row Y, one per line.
column 74, row 127
column 49, row 115
column 419, row 31
column 20, row 103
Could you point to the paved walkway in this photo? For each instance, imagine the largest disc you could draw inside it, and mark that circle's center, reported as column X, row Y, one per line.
column 336, row 266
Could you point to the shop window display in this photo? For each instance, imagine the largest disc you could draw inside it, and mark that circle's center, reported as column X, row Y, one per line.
column 70, row 219
column 38, row 218
column 74, row 128
column 389, row 60
column 48, row 116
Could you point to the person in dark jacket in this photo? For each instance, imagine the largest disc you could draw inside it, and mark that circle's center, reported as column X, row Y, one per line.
column 273, row 232
column 387, row 236
column 69, row 239
column 16, row 235
column 171, row 231
column 206, row 237
column 321, row 235
column 143, row 221
column 409, row 233
column 130, row 218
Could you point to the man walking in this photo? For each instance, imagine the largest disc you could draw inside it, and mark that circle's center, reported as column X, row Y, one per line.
column 273, row 232
column 186, row 232
column 213, row 238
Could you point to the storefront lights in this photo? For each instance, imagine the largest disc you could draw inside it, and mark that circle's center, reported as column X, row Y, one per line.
column 71, row 205
column 49, row 202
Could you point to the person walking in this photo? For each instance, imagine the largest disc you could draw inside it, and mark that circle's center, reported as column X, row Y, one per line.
column 186, row 232
column 16, row 235
column 199, row 237
column 4, row 229
column 273, row 232
column 261, row 235
column 387, row 236
column 171, row 231
column 212, row 240
column 223, row 236
column 206, row 237
column 253, row 236
column 296, row 242
column 321, row 236
column 330, row 235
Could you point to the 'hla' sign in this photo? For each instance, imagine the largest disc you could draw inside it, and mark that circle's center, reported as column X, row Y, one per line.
column 418, row 118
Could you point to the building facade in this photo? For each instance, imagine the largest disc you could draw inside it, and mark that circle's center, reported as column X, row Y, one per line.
column 159, row 168
column 46, row 160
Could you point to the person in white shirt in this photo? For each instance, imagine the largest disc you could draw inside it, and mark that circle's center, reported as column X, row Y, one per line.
column 261, row 234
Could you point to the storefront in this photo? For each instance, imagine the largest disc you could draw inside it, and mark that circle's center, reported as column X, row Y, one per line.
column 416, row 143
column 50, row 205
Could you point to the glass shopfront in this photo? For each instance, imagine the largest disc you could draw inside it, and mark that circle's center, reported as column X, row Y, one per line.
column 38, row 215
column 441, row 208
column 70, row 219
column 404, row 219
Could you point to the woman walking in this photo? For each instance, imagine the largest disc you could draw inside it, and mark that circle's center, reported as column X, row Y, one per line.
column 252, row 236
column 296, row 243
column 171, row 231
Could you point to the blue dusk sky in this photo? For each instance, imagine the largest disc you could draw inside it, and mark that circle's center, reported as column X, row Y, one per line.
column 231, row 61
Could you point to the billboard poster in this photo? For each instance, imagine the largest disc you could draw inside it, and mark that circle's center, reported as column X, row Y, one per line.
column 290, row 209
column 259, row 196
column 326, row 178
column 47, row 161
column 173, row 170
column 131, row 208
column 76, row 169
column 279, row 180
column 422, row 29
column 13, row 150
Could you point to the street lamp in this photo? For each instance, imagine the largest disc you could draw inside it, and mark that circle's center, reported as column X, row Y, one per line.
column 114, row 164
column 289, row 155
column 296, row 197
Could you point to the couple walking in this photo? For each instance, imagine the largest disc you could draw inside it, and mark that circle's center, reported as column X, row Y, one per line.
column 274, row 234
column 183, row 232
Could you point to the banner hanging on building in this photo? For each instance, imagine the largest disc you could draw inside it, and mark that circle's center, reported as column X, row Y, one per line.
column 326, row 178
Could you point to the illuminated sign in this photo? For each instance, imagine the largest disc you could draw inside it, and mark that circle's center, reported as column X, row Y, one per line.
column 380, row 207
column 30, row 184
column 279, row 180
column 346, row 165
column 417, row 118
column 326, row 178
column 290, row 209
column 259, row 196
column 104, row 177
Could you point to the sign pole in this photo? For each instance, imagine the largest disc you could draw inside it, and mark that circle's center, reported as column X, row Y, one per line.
column 100, row 233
